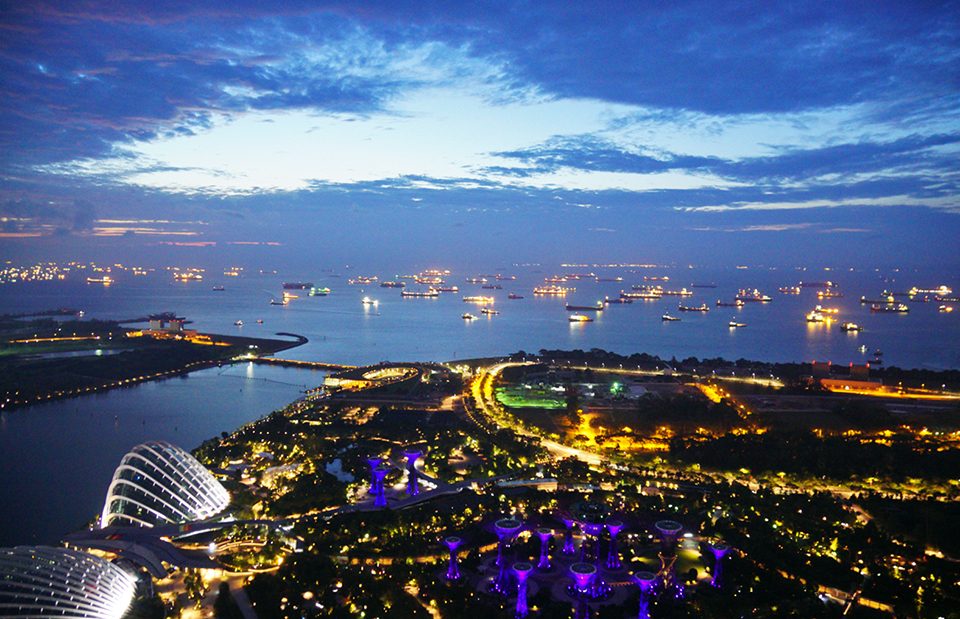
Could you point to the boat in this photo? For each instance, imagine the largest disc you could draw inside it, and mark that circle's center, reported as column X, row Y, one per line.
column 428, row 280
column 581, row 275
column 887, row 298
column 752, row 296
column 297, row 285
column 849, row 326
column 447, row 289
column 703, row 285
column 653, row 296
column 683, row 292
column 579, row 318
column 815, row 316
column 259, row 321
column 655, row 278
column 185, row 276
column 899, row 308
column 106, row 280
column 733, row 324
column 789, row 289
column 469, row 317
column 556, row 291
column 736, row 303
column 489, row 311
column 826, row 284
column 478, row 299
column 280, row 302
column 368, row 301
column 829, row 294
column 941, row 290
column 502, row 278
column 238, row 323
column 476, row 280
column 420, row 294
column 618, row 301
column 393, row 284
column 514, row 295
column 492, row 287
column 586, row 308
column 319, row 292
column 218, row 288
column 669, row 318
column 556, row 279
column 609, row 279
column 946, row 309
column 697, row 308
column 362, row 280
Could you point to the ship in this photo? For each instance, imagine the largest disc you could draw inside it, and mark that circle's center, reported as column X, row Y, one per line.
column 849, row 326
column 478, row 299
column 579, row 318
column 280, row 302
column 946, row 309
column 829, row 294
column 362, row 280
column 514, row 295
column 476, row 280
column 618, row 300
column 586, row 308
column 609, row 279
column 899, row 308
column 489, row 311
column 319, row 292
column 941, row 290
column 655, row 278
column 815, row 316
column 218, row 288
column 506, row 277
column 259, row 321
column 428, row 280
column 297, row 285
column 703, row 285
column 448, row 289
column 469, row 317
column 733, row 324
column 238, row 323
column 106, row 280
column 887, row 298
column 697, row 308
column 826, row 284
column 393, row 284
column 639, row 295
column 492, row 287
column 556, row 279
column 789, row 289
column 752, row 296
column 558, row 291
column 735, row 303
column 683, row 292
column 669, row 318
column 368, row 301
column 185, row 276
column 420, row 294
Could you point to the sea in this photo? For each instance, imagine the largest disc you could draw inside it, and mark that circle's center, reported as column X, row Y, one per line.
column 56, row 458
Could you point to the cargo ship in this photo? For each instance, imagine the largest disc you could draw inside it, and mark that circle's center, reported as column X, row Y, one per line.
column 887, row 298
column 669, row 318
column 579, row 318
column 733, row 324
column 393, row 284
column 849, row 326
column 278, row 302
column 703, row 285
column 753, row 296
column 508, row 278
column 218, row 288
column 420, row 294
column 815, row 316
column 368, row 301
column 609, row 279
column 898, row 308
column 476, row 280
column 106, row 280
column 492, row 287
column 655, row 278
column 448, row 288
column 735, row 303
column 478, row 299
column 789, row 289
column 946, row 309
column 618, row 301
column 297, row 285
column 826, row 284
column 319, row 292
column 586, row 308
column 581, row 275
column 469, row 316
column 697, row 308
column 362, row 280
column 186, row 276
column 683, row 292
column 489, row 311
column 514, row 295
column 829, row 294
column 428, row 280
column 558, row 291
column 556, row 279
column 640, row 295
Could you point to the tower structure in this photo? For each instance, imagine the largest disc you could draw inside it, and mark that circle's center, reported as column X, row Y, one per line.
column 374, row 463
column 613, row 554
column 413, row 488
column 521, row 570
column 568, row 546
column 646, row 581
column 583, row 575
column 545, row 535
column 453, row 567
column 506, row 529
column 719, row 550
column 379, row 497
column 669, row 531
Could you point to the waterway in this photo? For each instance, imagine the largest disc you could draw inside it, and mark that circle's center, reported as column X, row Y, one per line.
column 57, row 458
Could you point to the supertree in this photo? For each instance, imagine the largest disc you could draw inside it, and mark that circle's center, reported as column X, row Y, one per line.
column 719, row 550
column 413, row 488
column 453, row 567
column 521, row 570
column 613, row 555
column 568, row 546
column 374, row 463
column 506, row 529
column 545, row 535
column 646, row 581
column 669, row 531
column 583, row 575
column 380, row 498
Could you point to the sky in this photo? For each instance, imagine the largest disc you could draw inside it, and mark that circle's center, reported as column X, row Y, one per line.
column 728, row 132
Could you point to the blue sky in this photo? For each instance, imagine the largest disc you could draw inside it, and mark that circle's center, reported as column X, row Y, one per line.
column 606, row 130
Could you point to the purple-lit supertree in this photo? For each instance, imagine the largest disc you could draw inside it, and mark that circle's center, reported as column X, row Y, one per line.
column 613, row 555
column 380, row 498
column 522, row 571
column 413, row 488
column 669, row 531
column 374, row 463
column 453, row 567
column 583, row 575
column 591, row 531
column 720, row 550
column 646, row 581
column 545, row 535
column 568, row 546
column 506, row 529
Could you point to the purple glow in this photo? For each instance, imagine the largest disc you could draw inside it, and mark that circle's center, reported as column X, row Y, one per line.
column 413, row 488
column 374, row 463
column 583, row 574
column 568, row 546
column 544, row 535
column 613, row 555
column 380, row 498
column 646, row 582
column 506, row 529
column 522, row 571
column 453, row 567
column 719, row 550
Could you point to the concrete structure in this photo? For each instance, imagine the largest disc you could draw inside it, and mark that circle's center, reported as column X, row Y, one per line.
column 374, row 463
column 158, row 483
column 506, row 529
column 413, row 487
column 613, row 554
column 38, row 581
column 545, row 536
column 453, row 567
column 521, row 570
column 583, row 575
column 646, row 581
column 380, row 497
column 719, row 550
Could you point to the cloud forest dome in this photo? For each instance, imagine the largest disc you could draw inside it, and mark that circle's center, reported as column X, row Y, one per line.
column 158, row 483
column 44, row 582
